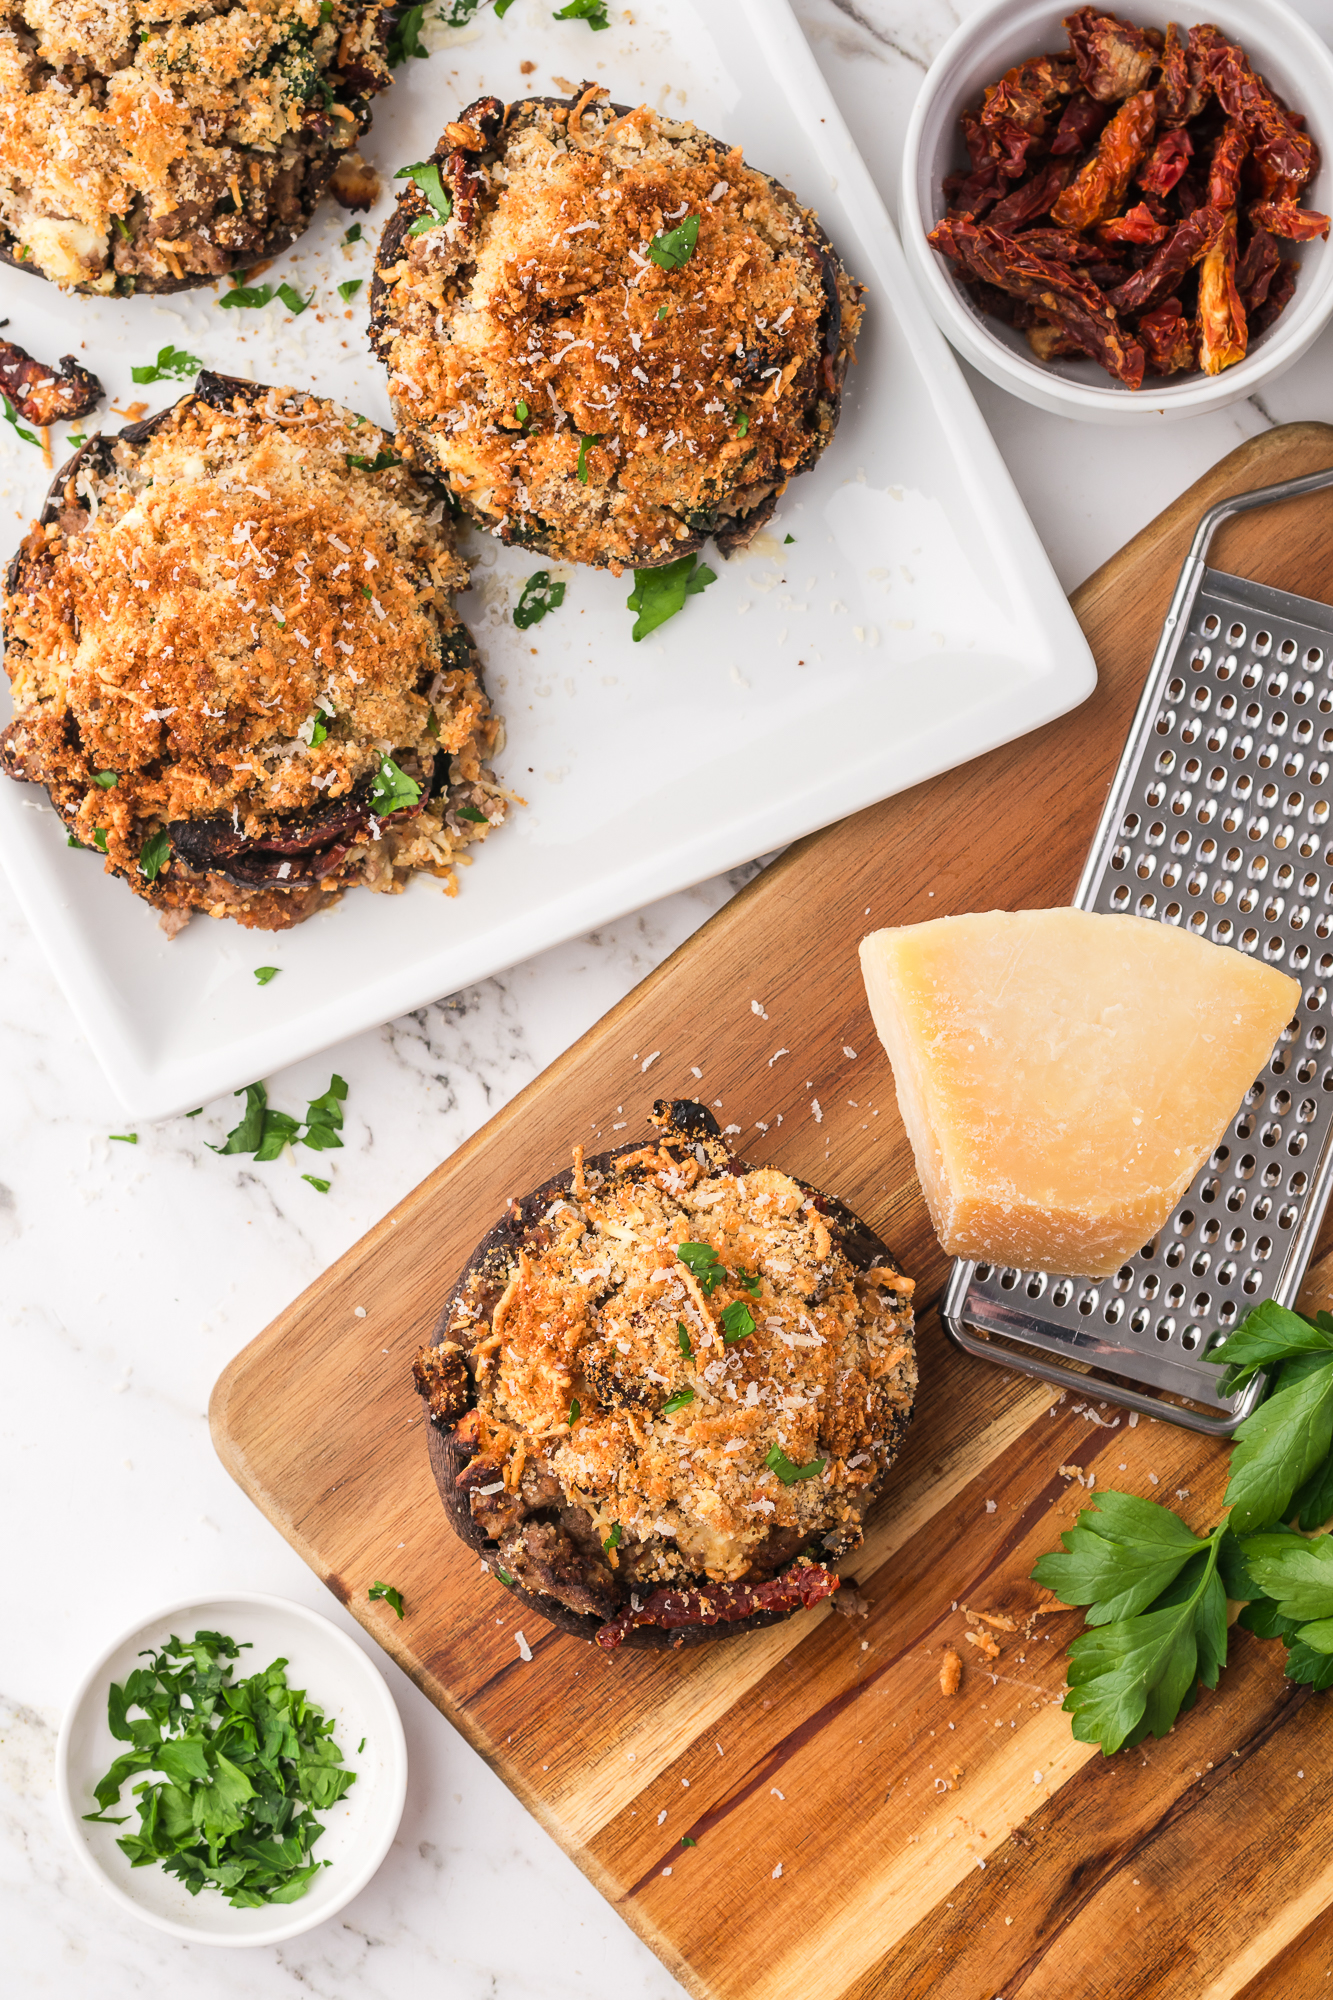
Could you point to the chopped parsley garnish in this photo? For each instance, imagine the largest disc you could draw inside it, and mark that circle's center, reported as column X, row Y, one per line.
column 743, row 424
column 750, row 1281
column 521, row 411
column 613, row 1539
column 661, row 312
column 245, row 1768
column 574, row 1413
column 125, row 1138
column 388, row 1595
column 11, row 417
column 538, row 596
column 788, row 540
column 503, row 1574
column 688, row 1840
column 99, row 837
column 324, row 1117
column 260, row 1131
column 292, row 299
column 593, row 437
column 778, row 1461
column 263, row 973
column 379, row 463
column 154, row 855
column 106, row 779
column 591, row 11
column 470, row 812
column 77, row 438
column 326, row 10
column 173, row 364
column 683, row 1336
column 674, row 247
column 122, row 227
column 425, row 175
column 198, row 1112
column 316, row 1182
column 405, row 39
column 353, row 235
column 700, row 1260
column 318, row 732
column 658, row 594
column 250, row 297
column 392, row 789
column 680, row 1401
column 737, row 1321
column 350, row 288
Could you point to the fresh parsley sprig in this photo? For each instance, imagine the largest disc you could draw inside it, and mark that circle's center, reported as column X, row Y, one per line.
column 538, row 596
column 264, row 1132
column 173, row 364
column 591, row 11
column 701, row 1261
column 671, row 248
column 425, row 176
column 246, row 1767
column 658, row 594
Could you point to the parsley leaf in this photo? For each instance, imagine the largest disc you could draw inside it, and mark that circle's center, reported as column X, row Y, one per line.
column 324, row 1117
column 125, row 1138
column 350, row 288
column 737, row 1322
column 154, row 854
column 260, row 1131
column 674, row 247
column 1135, row 1675
column 521, row 411
column 106, row 779
column 700, row 1260
column 1282, row 1444
column 249, row 296
column 386, row 1592
column 173, row 364
column 405, row 38
column 683, row 1337
column 1268, row 1335
column 379, row 463
column 575, row 1412
column 425, row 175
column 743, row 424
column 658, row 594
column 263, row 973
column 1296, row 1573
column 392, row 790
column 99, row 838
column 470, row 812
column 591, row 11
column 613, row 1539
column 316, row 1182
column 77, row 438
column 11, row 417
column 353, row 235
column 778, row 1461
column 1119, row 1556
column 688, row 1840
column 593, row 437
column 680, row 1401
column 749, row 1279
column 538, row 596
column 245, row 1768
column 292, row 299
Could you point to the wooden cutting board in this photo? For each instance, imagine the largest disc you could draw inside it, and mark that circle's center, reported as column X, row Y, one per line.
column 857, row 1832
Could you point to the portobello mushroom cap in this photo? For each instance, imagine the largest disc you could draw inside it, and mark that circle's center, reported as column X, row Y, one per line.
column 148, row 150
column 621, row 341
column 166, row 686
column 519, row 1502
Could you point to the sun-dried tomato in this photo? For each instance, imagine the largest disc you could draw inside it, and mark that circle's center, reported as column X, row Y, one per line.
column 1247, row 98
column 1136, row 225
column 1222, row 329
column 1064, row 296
column 1283, row 218
column 1182, row 89
column 1167, row 161
column 1080, row 122
column 1228, row 156
column 1169, row 262
column 1026, row 95
column 1167, row 339
column 1049, row 342
column 1255, row 270
column 1101, row 186
column 1279, row 292
column 1033, row 198
column 1114, row 58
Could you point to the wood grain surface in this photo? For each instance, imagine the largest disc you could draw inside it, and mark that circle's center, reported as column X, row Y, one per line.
column 858, row 1833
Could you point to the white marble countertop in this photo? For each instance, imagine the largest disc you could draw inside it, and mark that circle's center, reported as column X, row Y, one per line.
column 131, row 1275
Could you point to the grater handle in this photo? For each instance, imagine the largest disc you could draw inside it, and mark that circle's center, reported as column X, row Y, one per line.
column 1241, row 503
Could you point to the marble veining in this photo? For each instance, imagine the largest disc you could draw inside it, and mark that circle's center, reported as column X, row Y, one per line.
column 132, row 1273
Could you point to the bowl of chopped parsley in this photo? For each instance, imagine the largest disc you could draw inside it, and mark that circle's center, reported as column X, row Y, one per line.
column 232, row 1769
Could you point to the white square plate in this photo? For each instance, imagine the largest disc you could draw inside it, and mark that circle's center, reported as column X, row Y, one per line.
column 912, row 623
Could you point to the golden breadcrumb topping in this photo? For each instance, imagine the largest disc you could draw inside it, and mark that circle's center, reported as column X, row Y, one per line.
column 578, row 395
column 233, row 618
column 669, row 1404
column 148, row 141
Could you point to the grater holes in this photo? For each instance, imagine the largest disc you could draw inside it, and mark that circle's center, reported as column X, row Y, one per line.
column 1316, row 1037
column 1282, row 1104
column 1287, row 651
column 1241, row 747
column 1114, row 1312
column 1197, row 883
column 1173, row 912
column 1298, row 1183
column 1181, row 801
column 1250, row 938
column 1150, row 1286
column 1325, row 701
column 1210, row 1189
column 982, row 1272
column 1251, row 677
column 1165, row 1327
column 1284, row 837
column 1123, row 1278
column 1259, row 1213
column 1277, row 683
column 1300, row 957
column 1170, row 875
column 1201, row 697
column 1062, row 1293
column 1287, row 1216
column 1226, row 1313
column 1210, row 1230
column 1146, row 906
column 1212, row 624
column 1318, row 816
column 1156, row 833
column 1275, row 950
column 1145, row 867
column 1314, row 1000
column 1297, row 1142
column 1192, row 1336
column 1183, row 1224
column 1176, row 1296
column 1251, row 1282
column 1318, row 770
column 1314, row 659
column 1262, row 642
column 1217, row 777
column 1008, row 1279
column 1270, row 1136
column 1175, row 1255
column 1257, row 827
column 1138, row 1320
column 1175, row 688
column 1236, row 635
column 1088, row 1303
column 1306, row 1069
column 1198, row 920
column 1226, row 1273
column 1120, row 895
column 1303, row 731
column 1236, row 1199
column 1200, row 1265
column 1207, row 812
column 1245, row 1166
column 1272, row 1174
column 1120, row 856
column 1155, row 793
column 1036, row 1284
column 1277, row 722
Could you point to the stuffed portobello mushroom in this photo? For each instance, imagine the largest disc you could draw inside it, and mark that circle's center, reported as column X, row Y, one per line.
column 667, row 1389
column 235, row 664
column 609, row 334
column 148, row 147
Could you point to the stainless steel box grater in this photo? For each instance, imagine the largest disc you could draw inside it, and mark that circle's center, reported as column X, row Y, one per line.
column 1218, row 819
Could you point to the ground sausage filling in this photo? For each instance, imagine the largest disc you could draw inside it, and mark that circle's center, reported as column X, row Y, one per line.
column 620, row 338
column 236, row 666
column 677, row 1391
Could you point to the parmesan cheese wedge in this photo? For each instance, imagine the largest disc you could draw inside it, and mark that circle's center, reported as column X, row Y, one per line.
column 1062, row 1075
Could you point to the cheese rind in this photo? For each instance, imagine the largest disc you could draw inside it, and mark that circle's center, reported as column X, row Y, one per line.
column 1063, row 1075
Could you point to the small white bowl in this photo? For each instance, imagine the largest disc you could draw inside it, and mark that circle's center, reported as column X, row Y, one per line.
column 338, row 1677
column 1281, row 47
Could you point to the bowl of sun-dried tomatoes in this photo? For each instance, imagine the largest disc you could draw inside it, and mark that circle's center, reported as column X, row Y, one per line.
column 1123, row 217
